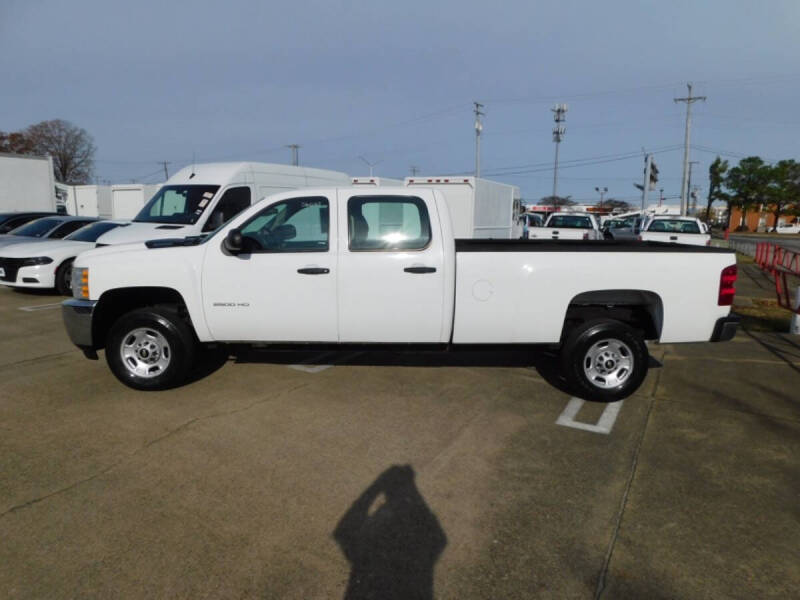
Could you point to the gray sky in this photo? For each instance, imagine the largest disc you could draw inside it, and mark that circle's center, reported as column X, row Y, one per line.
column 394, row 82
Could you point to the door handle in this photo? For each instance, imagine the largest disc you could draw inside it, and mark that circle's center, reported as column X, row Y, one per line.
column 673, row 238
column 420, row 270
column 313, row 271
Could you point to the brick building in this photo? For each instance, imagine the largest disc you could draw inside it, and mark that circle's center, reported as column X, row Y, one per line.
column 757, row 220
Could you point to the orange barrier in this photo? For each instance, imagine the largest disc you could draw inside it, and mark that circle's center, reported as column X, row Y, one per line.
column 780, row 263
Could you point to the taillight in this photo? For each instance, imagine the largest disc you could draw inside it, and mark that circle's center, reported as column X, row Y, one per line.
column 727, row 291
column 708, row 242
column 586, row 235
column 638, row 237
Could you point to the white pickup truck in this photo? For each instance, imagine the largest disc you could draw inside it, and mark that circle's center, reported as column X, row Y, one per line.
column 675, row 230
column 354, row 266
column 567, row 226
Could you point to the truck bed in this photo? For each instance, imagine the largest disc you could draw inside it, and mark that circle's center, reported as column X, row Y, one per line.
column 523, row 297
column 477, row 245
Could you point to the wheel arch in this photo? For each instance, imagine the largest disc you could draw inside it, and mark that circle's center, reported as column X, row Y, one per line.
column 112, row 304
column 641, row 309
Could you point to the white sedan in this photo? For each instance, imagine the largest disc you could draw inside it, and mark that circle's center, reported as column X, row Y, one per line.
column 788, row 228
column 48, row 263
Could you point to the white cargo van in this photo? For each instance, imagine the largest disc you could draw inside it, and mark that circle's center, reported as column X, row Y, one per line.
column 377, row 181
column 479, row 208
column 200, row 198
column 128, row 199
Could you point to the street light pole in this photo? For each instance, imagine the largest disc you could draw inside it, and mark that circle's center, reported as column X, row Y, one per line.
column 601, row 191
column 478, row 129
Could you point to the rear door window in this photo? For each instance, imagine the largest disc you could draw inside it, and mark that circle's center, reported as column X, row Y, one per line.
column 387, row 223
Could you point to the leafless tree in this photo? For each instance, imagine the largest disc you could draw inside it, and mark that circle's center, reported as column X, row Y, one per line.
column 71, row 147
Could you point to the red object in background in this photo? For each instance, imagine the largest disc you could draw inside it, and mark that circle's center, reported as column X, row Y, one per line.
column 780, row 263
column 727, row 233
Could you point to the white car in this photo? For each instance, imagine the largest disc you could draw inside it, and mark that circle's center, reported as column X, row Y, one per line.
column 48, row 263
column 47, row 228
column 788, row 228
column 675, row 230
column 567, row 226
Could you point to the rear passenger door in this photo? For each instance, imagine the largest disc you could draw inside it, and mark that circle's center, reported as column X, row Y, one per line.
column 391, row 269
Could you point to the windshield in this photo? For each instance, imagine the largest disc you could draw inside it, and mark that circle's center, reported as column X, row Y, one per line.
column 177, row 204
column 38, row 228
column 90, row 233
column 674, row 226
column 570, row 222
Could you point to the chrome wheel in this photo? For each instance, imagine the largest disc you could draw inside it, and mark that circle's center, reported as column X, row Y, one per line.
column 608, row 364
column 145, row 352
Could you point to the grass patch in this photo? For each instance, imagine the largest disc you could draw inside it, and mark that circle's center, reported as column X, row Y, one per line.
column 764, row 318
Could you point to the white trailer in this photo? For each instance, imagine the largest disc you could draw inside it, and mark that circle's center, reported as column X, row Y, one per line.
column 92, row 200
column 479, row 208
column 377, row 181
column 128, row 199
column 26, row 183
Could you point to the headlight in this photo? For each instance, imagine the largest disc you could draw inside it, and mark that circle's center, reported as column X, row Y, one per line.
column 80, row 283
column 36, row 260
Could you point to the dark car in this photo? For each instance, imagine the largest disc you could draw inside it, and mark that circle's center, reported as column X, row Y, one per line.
column 12, row 220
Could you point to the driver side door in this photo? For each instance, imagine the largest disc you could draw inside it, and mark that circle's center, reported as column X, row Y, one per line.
column 282, row 287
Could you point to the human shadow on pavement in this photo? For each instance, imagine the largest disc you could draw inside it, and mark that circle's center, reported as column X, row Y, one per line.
column 391, row 539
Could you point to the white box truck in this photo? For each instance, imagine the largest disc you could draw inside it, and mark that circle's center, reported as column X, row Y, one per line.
column 27, row 183
column 479, row 208
column 202, row 197
column 128, row 199
column 92, row 200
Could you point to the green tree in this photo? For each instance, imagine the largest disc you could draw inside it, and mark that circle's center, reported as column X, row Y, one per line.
column 748, row 182
column 716, row 174
column 784, row 188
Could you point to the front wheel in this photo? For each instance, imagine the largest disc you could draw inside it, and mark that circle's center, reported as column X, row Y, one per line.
column 64, row 278
column 604, row 360
column 151, row 349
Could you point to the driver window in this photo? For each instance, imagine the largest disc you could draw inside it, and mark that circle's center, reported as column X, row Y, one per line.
column 296, row 225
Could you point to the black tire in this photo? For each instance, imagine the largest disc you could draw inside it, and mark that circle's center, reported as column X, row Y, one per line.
column 625, row 356
column 64, row 278
column 159, row 335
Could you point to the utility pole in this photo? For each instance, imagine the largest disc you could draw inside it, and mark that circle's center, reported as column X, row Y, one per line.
column 559, row 116
column 689, row 185
column 295, row 154
column 478, row 129
column 166, row 173
column 369, row 164
column 661, row 197
column 684, row 181
column 601, row 191
column 648, row 165
column 414, row 170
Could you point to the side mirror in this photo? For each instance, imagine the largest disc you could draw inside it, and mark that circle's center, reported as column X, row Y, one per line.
column 233, row 241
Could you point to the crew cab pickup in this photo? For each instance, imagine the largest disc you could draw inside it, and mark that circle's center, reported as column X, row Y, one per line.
column 567, row 226
column 354, row 267
column 677, row 230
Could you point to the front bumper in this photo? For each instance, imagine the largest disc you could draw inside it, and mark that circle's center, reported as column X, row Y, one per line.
column 725, row 328
column 77, row 316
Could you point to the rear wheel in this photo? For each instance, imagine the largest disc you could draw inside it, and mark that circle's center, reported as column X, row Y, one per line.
column 151, row 348
column 64, row 278
column 604, row 360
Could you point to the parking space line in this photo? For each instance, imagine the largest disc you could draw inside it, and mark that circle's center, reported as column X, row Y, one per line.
column 36, row 307
column 310, row 366
column 604, row 425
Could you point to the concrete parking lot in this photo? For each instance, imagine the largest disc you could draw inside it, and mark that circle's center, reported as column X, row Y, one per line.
column 396, row 476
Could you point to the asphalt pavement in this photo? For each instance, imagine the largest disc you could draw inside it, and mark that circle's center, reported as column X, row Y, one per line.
column 308, row 475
